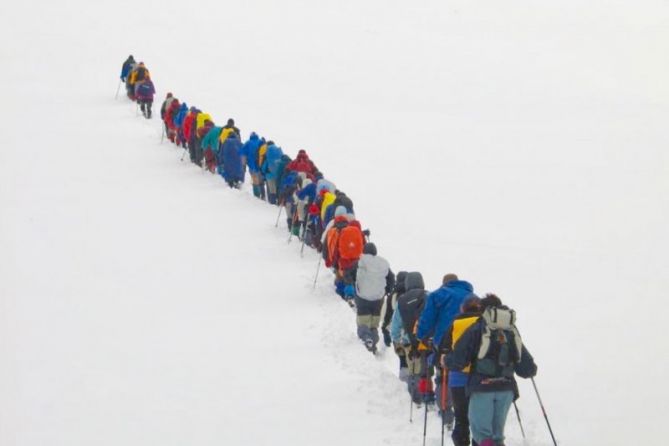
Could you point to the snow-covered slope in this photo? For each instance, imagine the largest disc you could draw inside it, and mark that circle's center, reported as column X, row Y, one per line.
column 521, row 146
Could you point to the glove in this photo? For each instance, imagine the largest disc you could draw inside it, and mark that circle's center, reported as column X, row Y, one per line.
column 349, row 291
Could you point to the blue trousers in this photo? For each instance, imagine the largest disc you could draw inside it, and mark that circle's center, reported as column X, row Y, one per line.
column 487, row 414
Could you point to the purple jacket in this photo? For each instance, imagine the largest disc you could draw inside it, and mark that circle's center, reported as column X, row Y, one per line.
column 144, row 90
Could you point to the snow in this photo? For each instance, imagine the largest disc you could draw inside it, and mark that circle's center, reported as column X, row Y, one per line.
column 520, row 145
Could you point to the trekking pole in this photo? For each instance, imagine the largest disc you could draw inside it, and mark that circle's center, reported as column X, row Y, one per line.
column 426, row 373
column 522, row 431
column 276, row 225
column 118, row 89
column 318, row 268
column 304, row 237
column 162, row 135
column 413, row 373
column 444, row 400
column 544, row 411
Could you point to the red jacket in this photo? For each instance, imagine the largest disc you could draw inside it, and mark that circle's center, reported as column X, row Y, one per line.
column 171, row 113
column 302, row 164
column 189, row 125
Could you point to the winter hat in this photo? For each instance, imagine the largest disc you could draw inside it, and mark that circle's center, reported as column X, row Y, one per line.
column 369, row 248
column 449, row 278
column 169, row 95
column 231, row 121
column 341, row 210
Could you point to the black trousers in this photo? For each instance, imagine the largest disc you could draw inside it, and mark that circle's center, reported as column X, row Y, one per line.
column 460, row 433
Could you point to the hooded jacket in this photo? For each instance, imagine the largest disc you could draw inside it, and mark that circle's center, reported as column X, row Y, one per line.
column 408, row 308
column 271, row 163
column 250, row 151
column 233, row 170
column 441, row 307
column 210, row 141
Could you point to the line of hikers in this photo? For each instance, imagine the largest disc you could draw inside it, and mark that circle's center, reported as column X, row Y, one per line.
column 457, row 352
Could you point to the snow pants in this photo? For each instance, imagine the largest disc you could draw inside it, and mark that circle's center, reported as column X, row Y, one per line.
column 368, row 318
column 487, row 415
column 145, row 106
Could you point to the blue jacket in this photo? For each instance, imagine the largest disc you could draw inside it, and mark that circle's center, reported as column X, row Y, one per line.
column 181, row 115
column 250, row 151
column 232, row 170
column 441, row 307
column 272, row 159
column 125, row 69
column 309, row 191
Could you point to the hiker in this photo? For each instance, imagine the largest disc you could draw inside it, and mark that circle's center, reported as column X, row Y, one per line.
column 127, row 66
column 231, row 125
column 270, row 170
column 188, row 128
column 231, row 168
column 180, row 139
column 496, row 353
column 210, row 148
column 441, row 307
column 407, row 310
column 203, row 123
column 470, row 312
column 367, row 281
column 168, row 112
column 249, row 152
column 302, row 163
column 144, row 91
column 389, row 308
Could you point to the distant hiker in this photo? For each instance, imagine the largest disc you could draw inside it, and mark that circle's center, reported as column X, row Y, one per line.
column 270, row 170
column 231, row 168
column 368, row 281
column 249, row 152
column 203, row 123
column 129, row 84
column 168, row 112
column 210, row 148
column 441, row 307
column 470, row 312
column 188, row 127
column 303, row 164
column 402, row 330
column 178, row 124
column 495, row 351
column 144, row 91
column 231, row 125
column 127, row 66
column 305, row 196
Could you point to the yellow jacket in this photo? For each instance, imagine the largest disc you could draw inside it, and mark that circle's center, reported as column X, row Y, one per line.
column 459, row 327
column 201, row 118
column 328, row 199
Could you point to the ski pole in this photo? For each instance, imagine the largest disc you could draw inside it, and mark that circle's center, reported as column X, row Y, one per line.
column 544, row 411
column 318, row 268
column 276, row 225
column 162, row 135
column 444, row 400
column 522, row 431
column 118, row 89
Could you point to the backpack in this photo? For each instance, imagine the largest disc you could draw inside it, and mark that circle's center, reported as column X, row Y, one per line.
column 350, row 243
column 144, row 89
column 501, row 345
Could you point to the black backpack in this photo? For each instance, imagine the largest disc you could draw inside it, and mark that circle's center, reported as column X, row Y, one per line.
column 501, row 345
